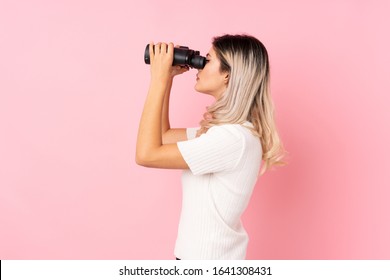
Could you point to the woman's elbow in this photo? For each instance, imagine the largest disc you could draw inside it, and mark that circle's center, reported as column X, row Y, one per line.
column 140, row 159
column 143, row 159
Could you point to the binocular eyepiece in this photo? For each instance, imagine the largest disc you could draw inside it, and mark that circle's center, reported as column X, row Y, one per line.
column 182, row 56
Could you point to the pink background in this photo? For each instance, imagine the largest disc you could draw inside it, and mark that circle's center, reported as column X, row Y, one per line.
column 72, row 86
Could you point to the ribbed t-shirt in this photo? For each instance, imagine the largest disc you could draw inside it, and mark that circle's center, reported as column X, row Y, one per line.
column 223, row 165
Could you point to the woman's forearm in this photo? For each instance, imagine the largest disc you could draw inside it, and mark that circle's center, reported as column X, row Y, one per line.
column 165, row 124
column 149, row 132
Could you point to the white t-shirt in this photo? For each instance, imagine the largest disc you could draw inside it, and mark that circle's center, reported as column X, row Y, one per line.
column 224, row 164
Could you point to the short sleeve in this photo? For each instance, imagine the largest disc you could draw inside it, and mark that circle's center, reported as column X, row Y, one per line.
column 220, row 149
column 191, row 132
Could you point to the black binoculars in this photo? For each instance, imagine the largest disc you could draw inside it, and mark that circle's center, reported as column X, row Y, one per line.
column 182, row 56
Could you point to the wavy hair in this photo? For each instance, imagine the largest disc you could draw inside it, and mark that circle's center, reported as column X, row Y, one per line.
column 247, row 96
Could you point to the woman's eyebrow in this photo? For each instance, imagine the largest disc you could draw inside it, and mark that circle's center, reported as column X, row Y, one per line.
column 208, row 55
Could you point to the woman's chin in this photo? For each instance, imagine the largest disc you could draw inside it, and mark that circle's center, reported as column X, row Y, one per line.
column 202, row 90
column 198, row 88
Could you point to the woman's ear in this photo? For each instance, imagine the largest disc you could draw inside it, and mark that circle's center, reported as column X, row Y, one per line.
column 226, row 79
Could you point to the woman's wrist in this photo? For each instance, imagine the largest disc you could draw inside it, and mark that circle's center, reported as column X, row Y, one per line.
column 159, row 83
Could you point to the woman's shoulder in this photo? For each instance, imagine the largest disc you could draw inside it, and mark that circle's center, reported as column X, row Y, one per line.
column 238, row 130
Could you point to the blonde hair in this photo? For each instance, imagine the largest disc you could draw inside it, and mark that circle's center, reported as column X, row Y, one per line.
column 247, row 97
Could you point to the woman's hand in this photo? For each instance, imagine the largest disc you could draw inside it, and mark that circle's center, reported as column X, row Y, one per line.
column 161, row 60
column 207, row 117
column 177, row 70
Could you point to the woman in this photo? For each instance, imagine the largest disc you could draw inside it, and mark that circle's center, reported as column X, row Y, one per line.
column 221, row 160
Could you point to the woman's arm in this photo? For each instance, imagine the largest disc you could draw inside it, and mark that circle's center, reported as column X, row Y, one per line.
column 169, row 135
column 150, row 150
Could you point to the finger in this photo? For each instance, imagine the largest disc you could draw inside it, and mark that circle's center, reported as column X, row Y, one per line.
column 184, row 69
column 151, row 51
column 180, row 69
column 157, row 48
column 207, row 116
column 170, row 48
column 163, row 48
column 203, row 123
